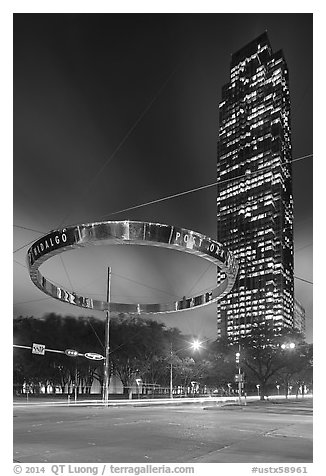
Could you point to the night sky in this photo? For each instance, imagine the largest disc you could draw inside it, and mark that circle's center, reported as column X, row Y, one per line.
column 117, row 110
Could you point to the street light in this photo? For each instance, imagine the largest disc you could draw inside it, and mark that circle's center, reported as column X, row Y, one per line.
column 258, row 386
column 237, row 361
column 289, row 345
column 195, row 345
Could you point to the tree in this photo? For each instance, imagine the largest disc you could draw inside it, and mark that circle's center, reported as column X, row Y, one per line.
column 222, row 365
column 263, row 357
column 137, row 344
column 298, row 371
column 139, row 348
column 59, row 333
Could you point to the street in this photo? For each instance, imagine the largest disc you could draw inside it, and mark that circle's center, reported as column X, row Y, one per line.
column 196, row 433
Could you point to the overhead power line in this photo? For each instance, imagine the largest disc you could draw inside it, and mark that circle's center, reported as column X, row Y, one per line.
column 29, row 229
column 67, row 274
column 170, row 197
column 308, row 245
column 304, row 280
column 146, row 285
column 128, row 134
column 218, row 182
column 21, row 264
column 23, row 246
column 31, row 300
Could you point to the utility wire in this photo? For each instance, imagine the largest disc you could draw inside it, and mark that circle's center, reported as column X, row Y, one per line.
column 23, row 246
column 169, row 197
column 29, row 229
column 145, row 285
column 127, row 135
column 67, row 274
column 101, row 294
column 90, row 323
column 304, row 280
column 173, row 196
column 199, row 279
column 21, row 264
column 218, row 182
column 73, row 289
column 156, row 201
column 31, row 300
column 303, row 247
column 180, row 194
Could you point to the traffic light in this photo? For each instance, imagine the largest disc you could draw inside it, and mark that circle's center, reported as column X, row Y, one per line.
column 237, row 358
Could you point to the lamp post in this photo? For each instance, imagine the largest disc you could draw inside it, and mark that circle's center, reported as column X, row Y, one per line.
column 288, row 346
column 106, row 363
column 258, row 386
column 76, row 381
column 278, row 389
column 237, row 361
column 195, row 345
column 171, row 373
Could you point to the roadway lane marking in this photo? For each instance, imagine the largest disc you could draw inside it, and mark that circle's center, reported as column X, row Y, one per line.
column 132, row 422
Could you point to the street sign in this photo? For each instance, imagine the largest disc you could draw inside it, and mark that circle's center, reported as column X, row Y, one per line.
column 71, row 352
column 38, row 349
column 238, row 378
column 94, row 356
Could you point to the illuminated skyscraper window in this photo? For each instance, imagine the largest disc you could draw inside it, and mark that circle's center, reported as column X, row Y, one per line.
column 255, row 203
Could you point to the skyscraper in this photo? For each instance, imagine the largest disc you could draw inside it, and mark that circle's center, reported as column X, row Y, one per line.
column 254, row 203
column 299, row 317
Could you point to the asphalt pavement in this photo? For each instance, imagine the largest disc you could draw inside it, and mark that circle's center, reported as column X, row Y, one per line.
column 198, row 433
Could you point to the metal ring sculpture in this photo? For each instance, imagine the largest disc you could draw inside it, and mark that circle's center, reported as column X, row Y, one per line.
column 131, row 233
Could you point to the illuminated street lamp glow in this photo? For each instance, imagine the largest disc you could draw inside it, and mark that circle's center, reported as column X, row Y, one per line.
column 291, row 345
column 196, row 345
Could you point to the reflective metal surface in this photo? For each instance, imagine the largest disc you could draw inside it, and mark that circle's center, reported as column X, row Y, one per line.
column 124, row 233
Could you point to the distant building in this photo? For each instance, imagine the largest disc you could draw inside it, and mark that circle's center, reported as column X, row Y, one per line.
column 254, row 203
column 299, row 317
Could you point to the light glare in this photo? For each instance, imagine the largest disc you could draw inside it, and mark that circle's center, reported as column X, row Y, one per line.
column 196, row 345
